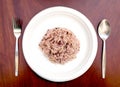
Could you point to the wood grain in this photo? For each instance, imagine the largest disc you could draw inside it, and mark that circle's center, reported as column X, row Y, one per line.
column 95, row 10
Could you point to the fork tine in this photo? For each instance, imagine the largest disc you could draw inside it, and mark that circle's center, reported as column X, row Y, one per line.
column 17, row 23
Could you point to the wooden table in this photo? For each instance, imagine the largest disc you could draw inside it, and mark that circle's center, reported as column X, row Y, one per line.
column 95, row 10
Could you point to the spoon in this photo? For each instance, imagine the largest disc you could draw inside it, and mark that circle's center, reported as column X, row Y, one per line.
column 104, row 32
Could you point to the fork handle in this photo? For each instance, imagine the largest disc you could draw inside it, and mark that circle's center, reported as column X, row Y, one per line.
column 16, row 57
column 104, row 60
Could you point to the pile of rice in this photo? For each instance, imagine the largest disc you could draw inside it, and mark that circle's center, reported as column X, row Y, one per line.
column 60, row 45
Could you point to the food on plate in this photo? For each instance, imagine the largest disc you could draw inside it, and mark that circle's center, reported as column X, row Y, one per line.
column 60, row 45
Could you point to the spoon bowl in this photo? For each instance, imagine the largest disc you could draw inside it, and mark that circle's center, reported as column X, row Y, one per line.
column 104, row 29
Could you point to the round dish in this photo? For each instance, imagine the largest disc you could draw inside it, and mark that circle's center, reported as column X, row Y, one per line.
column 59, row 17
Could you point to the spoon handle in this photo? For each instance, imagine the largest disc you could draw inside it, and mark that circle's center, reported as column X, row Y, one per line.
column 104, row 60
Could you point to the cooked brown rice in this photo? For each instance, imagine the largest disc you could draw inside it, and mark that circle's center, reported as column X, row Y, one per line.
column 60, row 45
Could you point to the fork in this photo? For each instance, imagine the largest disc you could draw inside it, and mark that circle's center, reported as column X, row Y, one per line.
column 17, row 33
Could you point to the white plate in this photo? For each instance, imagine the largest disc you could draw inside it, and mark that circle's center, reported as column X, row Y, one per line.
column 59, row 17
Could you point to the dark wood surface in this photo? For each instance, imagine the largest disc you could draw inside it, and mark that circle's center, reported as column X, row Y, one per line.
column 95, row 10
